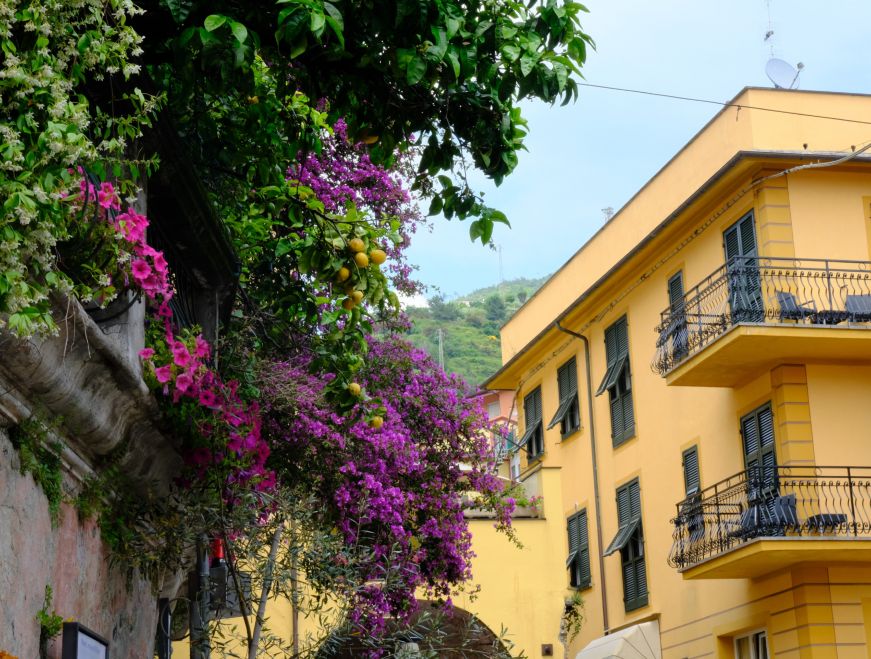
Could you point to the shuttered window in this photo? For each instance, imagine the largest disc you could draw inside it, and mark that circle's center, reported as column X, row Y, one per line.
column 618, row 382
column 629, row 541
column 745, row 291
column 578, row 562
column 691, row 479
column 533, row 437
column 757, row 435
column 568, row 413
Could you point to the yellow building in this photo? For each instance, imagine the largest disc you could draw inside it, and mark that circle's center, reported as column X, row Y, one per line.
column 694, row 388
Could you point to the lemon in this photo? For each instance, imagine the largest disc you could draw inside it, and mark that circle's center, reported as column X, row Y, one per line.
column 342, row 274
column 361, row 259
column 356, row 245
column 378, row 256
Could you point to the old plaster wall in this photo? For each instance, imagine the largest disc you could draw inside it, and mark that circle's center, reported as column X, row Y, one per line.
column 71, row 558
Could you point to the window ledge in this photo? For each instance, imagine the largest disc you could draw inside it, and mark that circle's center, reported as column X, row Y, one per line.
column 571, row 434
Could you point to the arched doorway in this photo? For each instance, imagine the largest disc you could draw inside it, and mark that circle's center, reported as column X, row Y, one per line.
column 450, row 633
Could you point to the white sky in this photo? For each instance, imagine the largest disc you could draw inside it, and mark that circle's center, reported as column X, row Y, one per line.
column 599, row 151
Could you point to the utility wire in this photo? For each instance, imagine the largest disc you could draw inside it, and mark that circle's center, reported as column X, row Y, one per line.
column 723, row 104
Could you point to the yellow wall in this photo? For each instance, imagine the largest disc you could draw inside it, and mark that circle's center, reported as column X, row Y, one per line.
column 821, row 409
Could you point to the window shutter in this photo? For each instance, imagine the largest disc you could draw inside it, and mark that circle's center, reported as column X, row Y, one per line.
column 766, row 427
column 630, row 583
column 611, row 350
column 732, row 242
column 573, row 533
column 628, row 414
column 640, row 578
column 583, row 550
column 617, row 419
column 634, row 499
column 748, row 237
column 692, row 481
column 622, row 337
column 675, row 292
column 750, row 434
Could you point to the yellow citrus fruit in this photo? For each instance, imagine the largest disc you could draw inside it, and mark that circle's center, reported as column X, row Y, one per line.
column 357, row 296
column 253, row 100
column 361, row 259
column 343, row 274
column 354, row 389
column 348, row 303
column 356, row 245
column 378, row 256
column 376, row 422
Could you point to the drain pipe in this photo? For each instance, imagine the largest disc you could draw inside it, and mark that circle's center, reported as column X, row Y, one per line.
column 596, row 497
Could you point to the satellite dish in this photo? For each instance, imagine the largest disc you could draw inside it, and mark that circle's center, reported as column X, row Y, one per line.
column 783, row 74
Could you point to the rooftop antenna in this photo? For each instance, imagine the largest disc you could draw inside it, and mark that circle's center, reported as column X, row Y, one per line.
column 783, row 74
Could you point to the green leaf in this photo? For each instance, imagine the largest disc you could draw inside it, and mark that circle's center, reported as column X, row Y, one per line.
column 178, row 9
column 214, row 21
column 528, row 62
column 239, row 31
column 510, row 52
column 455, row 63
column 452, row 26
column 416, row 70
column 435, row 206
column 318, row 22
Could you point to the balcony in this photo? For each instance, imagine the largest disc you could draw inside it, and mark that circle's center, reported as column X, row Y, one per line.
column 772, row 517
column 752, row 314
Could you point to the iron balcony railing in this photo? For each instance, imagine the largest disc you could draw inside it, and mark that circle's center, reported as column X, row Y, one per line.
column 763, row 290
column 768, row 502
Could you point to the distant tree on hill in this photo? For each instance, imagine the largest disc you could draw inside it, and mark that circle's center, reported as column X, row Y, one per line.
column 521, row 297
column 441, row 310
column 494, row 307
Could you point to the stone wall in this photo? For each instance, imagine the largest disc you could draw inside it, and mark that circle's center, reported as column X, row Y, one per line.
column 87, row 382
column 70, row 557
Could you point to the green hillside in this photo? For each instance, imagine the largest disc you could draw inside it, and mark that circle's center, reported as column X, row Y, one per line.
column 470, row 327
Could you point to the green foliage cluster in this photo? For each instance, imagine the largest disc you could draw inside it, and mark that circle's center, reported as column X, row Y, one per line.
column 40, row 457
column 470, row 327
column 50, row 623
column 57, row 112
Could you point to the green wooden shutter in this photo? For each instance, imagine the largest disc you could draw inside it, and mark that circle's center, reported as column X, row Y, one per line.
column 585, row 578
column 676, row 292
column 732, row 242
column 692, row 481
column 622, row 331
column 748, row 236
column 612, row 352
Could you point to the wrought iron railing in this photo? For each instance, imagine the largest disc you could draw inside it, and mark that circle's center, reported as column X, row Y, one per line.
column 768, row 502
column 806, row 292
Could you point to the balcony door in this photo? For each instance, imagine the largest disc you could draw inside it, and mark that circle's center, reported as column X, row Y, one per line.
column 742, row 272
column 760, row 460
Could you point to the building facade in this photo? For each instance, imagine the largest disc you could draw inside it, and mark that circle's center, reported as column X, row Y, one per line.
column 696, row 379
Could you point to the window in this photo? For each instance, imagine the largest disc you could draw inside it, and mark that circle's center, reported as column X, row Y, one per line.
column 752, row 646
column 533, row 438
column 567, row 414
column 618, row 382
column 578, row 562
column 629, row 541
column 757, row 435
column 691, row 479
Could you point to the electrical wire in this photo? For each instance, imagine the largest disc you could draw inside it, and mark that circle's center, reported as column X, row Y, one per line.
column 739, row 106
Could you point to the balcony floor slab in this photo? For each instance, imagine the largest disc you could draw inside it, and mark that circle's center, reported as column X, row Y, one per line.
column 763, row 556
column 747, row 351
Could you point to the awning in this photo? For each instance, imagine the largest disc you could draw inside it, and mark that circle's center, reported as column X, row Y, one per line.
column 613, row 373
column 636, row 642
column 563, row 408
column 622, row 538
column 530, row 431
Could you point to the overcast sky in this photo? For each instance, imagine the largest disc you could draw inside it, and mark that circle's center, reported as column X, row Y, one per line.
column 599, row 151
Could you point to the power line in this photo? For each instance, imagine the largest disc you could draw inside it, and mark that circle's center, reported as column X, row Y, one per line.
column 723, row 104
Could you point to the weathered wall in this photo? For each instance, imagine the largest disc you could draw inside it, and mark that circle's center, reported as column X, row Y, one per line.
column 72, row 559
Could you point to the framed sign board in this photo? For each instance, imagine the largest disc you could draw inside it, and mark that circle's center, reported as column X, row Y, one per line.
column 79, row 642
